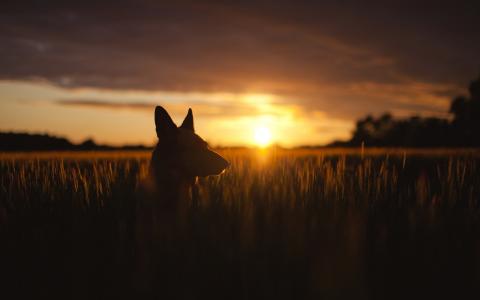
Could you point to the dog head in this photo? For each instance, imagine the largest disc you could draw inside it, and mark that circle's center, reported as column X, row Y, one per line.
column 180, row 153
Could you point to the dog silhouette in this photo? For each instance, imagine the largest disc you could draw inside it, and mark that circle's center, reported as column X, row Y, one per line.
column 179, row 157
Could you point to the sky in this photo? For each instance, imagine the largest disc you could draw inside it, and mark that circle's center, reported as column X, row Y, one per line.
column 303, row 70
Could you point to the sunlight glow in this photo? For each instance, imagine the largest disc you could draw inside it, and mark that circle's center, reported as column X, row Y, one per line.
column 119, row 117
column 262, row 136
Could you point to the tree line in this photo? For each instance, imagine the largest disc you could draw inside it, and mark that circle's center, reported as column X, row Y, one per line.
column 461, row 130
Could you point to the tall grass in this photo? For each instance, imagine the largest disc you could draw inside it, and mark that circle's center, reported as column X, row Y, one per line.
column 277, row 224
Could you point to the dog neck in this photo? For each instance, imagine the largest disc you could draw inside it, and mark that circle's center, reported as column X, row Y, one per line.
column 171, row 184
column 173, row 188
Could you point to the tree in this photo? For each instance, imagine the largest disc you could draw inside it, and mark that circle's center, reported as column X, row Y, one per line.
column 466, row 111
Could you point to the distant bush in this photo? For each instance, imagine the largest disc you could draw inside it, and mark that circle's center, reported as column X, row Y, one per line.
column 19, row 141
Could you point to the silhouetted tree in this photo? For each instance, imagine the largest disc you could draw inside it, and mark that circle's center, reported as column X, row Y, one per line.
column 462, row 131
column 466, row 111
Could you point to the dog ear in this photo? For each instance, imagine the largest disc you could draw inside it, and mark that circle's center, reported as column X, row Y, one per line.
column 163, row 122
column 188, row 122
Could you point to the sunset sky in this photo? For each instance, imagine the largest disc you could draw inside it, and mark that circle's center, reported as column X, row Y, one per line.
column 303, row 70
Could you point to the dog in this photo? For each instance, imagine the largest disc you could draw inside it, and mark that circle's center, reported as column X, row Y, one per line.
column 179, row 157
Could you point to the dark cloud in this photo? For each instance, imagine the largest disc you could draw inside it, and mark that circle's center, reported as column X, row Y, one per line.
column 201, row 108
column 106, row 104
column 313, row 52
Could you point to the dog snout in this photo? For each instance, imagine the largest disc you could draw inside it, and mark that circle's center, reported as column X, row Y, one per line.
column 219, row 163
column 225, row 163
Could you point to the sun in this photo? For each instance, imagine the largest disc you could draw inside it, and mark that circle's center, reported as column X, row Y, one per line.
column 262, row 136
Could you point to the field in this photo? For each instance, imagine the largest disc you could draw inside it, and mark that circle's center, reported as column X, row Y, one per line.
column 278, row 224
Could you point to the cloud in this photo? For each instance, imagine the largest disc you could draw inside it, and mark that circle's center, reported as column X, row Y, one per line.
column 351, row 101
column 345, row 58
column 108, row 105
column 209, row 105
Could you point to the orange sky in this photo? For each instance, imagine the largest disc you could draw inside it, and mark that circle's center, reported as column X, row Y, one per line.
column 119, row 117
column 305, row 71
column 126, row 117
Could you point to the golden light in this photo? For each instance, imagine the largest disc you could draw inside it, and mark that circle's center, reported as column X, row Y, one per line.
column 262, row 136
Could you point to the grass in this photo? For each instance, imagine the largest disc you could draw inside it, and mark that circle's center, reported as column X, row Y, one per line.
column 278, row 224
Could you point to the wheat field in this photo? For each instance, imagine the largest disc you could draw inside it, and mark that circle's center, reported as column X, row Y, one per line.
column 278, row 224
